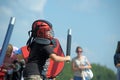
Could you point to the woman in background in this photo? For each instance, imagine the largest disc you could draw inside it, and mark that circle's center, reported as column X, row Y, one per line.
column 79, row 64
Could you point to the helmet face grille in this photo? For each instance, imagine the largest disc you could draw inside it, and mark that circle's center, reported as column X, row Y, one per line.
column 42, row 29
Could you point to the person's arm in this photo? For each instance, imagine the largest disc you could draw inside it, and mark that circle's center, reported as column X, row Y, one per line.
column 59, row 58
column 88, row 66
column 74, row 68
column 2, row 69
column 115, row 59
column 116, row 62
column 118, row 65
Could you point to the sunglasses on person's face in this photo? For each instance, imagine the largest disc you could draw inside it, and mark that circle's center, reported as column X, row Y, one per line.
column 79, row 51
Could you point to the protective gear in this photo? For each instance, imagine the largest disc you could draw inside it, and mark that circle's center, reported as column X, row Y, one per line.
column 42, row 29
column 41, row 32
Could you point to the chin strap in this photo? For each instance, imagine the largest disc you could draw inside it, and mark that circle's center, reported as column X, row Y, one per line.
column 42, row 41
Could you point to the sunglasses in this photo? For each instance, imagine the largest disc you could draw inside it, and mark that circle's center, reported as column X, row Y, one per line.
column 80, row 51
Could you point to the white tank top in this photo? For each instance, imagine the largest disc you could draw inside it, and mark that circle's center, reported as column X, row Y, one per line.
column 78, row 62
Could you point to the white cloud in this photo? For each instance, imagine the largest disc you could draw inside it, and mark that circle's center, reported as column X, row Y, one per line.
column 87, row 5
column 6, row 11
column 20, row 7
column 33, row 5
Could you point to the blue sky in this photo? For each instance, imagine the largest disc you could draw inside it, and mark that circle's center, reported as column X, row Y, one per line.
column 95, row 24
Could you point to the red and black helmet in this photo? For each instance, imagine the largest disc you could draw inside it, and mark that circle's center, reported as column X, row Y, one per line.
column 42, row 29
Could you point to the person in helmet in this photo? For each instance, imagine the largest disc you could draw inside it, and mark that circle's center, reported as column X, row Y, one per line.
column 40, row 48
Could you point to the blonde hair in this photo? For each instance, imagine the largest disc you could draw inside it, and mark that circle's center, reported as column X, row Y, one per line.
column 9, row 48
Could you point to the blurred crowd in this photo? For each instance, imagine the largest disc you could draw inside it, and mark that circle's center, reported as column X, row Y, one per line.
column 13, row 64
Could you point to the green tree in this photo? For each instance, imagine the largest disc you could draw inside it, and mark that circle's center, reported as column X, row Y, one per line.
column 100, row 73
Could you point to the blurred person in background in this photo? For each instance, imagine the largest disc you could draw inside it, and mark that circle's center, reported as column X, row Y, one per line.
column 79, row 64
column 6, row 69
column 117, row 60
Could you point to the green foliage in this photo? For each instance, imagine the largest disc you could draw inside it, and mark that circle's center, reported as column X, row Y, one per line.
column 67, row 73
column 100, row 73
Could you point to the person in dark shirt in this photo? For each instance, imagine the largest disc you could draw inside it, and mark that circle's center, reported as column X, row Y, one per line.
column 41, row 48
column 117, row 60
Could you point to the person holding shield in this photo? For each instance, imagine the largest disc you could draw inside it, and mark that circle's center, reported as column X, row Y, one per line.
column 40, row 46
